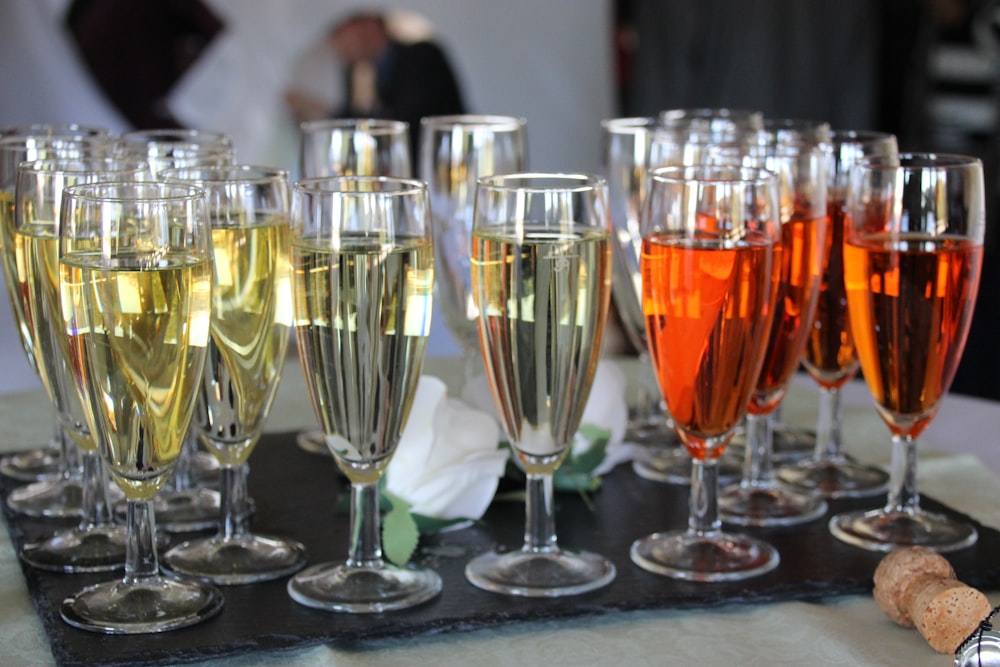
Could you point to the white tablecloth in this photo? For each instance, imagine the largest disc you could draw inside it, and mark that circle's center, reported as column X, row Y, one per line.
column 959, row 465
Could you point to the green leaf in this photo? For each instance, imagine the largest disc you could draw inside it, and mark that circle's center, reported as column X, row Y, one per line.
column 430, row 524
column 399, row 531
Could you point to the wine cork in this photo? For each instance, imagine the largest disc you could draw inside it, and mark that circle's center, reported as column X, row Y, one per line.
column 917, row 587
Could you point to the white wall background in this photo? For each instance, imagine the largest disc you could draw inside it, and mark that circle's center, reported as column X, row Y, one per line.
column 546, row 60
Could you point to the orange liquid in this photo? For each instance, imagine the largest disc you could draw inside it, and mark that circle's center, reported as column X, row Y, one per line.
column 707, row 320
column 911, row 300
column 801, row 261
column 830, row 357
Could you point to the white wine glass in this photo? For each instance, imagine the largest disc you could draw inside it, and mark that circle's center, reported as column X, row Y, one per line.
column 830, row 357
column 136, row 283
column 913, row 258
column 165, row 148
column 363, row 279
column 541, row 278
column 455, row 152
column 709, row 276
column 355, row 147
column 97, row 543
column 251, row 319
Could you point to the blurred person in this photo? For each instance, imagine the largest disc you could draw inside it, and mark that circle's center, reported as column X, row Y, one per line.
column 384, row 76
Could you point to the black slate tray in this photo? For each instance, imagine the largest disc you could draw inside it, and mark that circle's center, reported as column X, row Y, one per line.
column 297, row 495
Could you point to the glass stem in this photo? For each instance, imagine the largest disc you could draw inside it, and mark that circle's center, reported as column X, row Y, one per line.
column 96, row 509
column 539, row 514
column 758, row 465
column 140, row 546
column 366, row 543
column 828, row 425
column 903, row 495
column 67, row 450
column 233, row 498
column 703, row 517
column 182, row 471
column 472, row 364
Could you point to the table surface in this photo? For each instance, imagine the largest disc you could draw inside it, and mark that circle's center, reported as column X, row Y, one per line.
column 959, row 465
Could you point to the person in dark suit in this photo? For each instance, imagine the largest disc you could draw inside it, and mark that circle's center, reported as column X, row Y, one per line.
column 385, row 77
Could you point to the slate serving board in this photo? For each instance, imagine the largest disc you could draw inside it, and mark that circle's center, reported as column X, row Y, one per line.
column 297, row 493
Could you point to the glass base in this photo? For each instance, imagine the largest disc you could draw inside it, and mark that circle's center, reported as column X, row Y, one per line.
column 540, row 573
column 878, row 530
column 91, row 549
column 715, row 556
column 835, row 478
column 768, row 505
column 203, row 469
column 57, row 499
column 672, row 465
column 38, row 465
column 186, row 511
column 313, row 442
column 242, row 560
column 152, row 604
column 363, row 590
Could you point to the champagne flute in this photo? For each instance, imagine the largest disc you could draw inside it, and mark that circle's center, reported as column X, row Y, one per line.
column 251, row 319
column 136, row 283
column 355, row 147
column 913, row 255
column 351, row 147
column 455, row 151
column 709, row 279
column 799, row 156
column 58, row 494
column 96, row 543
column 363, row 279
column 830, row 357
column 541, row 278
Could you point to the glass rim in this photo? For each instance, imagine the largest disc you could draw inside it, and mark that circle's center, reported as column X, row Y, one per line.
column 909, row 161
column 840, row 136
column 156, row 191
column 87, row 164
column 377, row 126
column 713, row 173
column 475, row 121
column 630, row 124
column 557, row 181
column 327, row 185
column 44, row 129
column 161, row 135
column 224, row 173
column 21, row 142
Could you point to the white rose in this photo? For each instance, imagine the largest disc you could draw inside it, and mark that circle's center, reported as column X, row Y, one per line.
column 448, row 463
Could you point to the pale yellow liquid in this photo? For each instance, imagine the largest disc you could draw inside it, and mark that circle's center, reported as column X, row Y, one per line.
column 142, row 333
column 7, row 259
column 251, row 320
column 362, row 317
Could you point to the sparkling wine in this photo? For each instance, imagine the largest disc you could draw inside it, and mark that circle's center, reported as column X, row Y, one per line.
column 800, row 258
column 9, row 263
column 141, row 331
column 707, row 306
column 911, row 299
column 251, row 319
column 830, row 357
column 36, row 251
column 543, row 298
column 363, row 313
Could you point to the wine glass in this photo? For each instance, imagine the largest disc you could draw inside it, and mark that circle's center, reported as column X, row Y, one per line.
column 541, row 278
column 251, row 319
column 455, row 151
column 709, row 279
column 351, row 147
column 136, row 282
column 799, row 157
column 96, row 543
column 58, row 494
column 913, row 255
column 355, row 147
column 363, row 280
column 830, row 357
column 187, row 503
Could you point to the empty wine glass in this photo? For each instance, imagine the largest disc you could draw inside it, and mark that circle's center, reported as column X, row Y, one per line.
column 251, row 319
column 355, row 147
column 830, row 357
column 136, row 283
column 541, row 278
column 709, row 276
column 96, row 543
column 455, row 151
column 913, row 255
column 363, row 280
